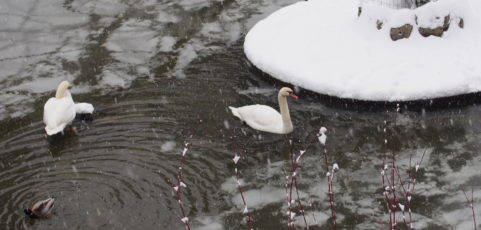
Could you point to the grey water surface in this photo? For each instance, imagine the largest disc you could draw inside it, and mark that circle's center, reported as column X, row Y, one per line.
column 153, row 69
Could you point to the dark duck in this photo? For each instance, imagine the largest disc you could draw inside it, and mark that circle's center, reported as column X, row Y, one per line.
column 41, row 209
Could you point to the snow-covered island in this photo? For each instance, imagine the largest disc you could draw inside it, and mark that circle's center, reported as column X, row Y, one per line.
column 344, row 48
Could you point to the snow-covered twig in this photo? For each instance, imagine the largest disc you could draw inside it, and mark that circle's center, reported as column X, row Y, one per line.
column 391, row 182
column 177, row 187
column 470, row 204
column 236, row 159
column 409, row 189
column 293, row 184
column 330, row 176
column 389, row 185
column 385, row 167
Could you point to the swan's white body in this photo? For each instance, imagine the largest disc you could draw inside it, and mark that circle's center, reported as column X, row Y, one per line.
column 59, row 111
column 265, row 118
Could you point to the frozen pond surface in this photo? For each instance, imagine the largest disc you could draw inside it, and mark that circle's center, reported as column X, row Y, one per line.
column 153, row 69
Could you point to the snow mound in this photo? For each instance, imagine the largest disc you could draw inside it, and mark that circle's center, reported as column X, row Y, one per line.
column 322, row 46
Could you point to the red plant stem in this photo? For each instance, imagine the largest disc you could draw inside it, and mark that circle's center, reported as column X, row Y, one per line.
column 178, row 187
column 390, row 193
column 289, row 197
column 299, row 203
column 407, row 195
column 393, row 169
column 410, row 188
column 330, row 191
column 293, row 184
column 384, row 167
column 294, row 166
column 470, row 204
column 249, row 218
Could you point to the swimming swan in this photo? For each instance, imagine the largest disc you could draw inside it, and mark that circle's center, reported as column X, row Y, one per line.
column 265, row 118
column 59, row 111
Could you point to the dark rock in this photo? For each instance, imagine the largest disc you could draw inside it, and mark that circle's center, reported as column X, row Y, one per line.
column 461, row 23
column 438, row 31
column 359, row 11
column 401, row 32
column 426, row 32
column 379, row 24
column 420, row 3
column 447, row 20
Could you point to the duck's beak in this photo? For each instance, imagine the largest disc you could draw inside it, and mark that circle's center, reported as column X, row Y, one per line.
column 293, row 95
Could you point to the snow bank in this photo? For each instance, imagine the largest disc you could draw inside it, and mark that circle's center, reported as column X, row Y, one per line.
column 321, row 45
column 432, row 15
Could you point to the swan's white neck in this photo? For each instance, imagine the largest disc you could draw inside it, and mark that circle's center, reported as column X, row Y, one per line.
column 286, row 117
column 63, row 92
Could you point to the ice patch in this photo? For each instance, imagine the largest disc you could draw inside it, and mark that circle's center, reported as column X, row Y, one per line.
column 166, row 17
column 113, row 79
column 257, row 198
column 134, row 42
column 167, row 43
column 186, row 55
column 230, row 185
column 209, row 223
column 167, row 146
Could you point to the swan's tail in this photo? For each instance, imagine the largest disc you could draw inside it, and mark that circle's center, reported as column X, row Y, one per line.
column 54, row 130
column 235, row 112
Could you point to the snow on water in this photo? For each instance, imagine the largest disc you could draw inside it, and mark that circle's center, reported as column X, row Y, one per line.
column 167, row 44
column 208, row 223
column 125, row 40
column 324, row 47
column 101, row 7
column 32, row 33
column 49, row 41
column 257, row 198
column 230, row 185
column 168, row 146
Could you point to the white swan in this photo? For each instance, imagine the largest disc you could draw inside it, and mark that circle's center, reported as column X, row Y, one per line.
column 265, row 118
column 59, row 111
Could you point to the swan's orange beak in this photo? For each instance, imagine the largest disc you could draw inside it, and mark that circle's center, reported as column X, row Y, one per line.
column 293, row 96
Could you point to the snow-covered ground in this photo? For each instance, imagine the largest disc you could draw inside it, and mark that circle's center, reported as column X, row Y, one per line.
column 323, row 46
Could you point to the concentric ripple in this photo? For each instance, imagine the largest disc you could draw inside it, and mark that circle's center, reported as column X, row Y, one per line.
column 113, row 173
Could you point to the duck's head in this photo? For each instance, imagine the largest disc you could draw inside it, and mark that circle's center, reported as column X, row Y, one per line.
column 286, row 91
column 29, row 213
column 62, row 89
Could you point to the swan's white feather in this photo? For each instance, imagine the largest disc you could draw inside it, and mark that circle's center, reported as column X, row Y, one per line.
column 57, row 113
column 83, row 108
column 260, row 117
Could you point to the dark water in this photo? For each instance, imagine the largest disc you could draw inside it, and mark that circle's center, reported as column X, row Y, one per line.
column 153, row 70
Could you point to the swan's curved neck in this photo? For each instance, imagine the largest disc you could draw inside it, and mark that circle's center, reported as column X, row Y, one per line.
column 286, row 117
column 62, row 92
